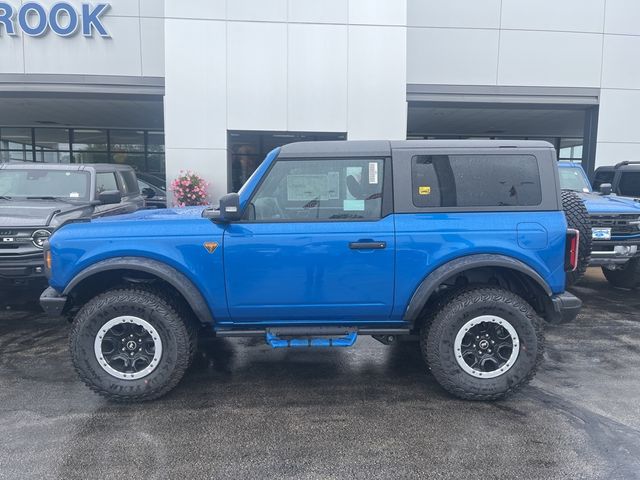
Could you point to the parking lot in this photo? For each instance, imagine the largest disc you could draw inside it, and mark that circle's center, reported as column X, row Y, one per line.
column 247, row 411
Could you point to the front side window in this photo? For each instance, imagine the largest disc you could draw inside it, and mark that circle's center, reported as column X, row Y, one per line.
column 130, row 182
column 105, row 182
column 44, row 183
column 322, row 189
column 629, row 184
column 475, row 181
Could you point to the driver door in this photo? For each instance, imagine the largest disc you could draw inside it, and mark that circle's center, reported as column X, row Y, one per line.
column 317, row 244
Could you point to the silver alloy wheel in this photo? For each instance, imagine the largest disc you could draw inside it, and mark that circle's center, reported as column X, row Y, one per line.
column 486, row 346
column 128, row 347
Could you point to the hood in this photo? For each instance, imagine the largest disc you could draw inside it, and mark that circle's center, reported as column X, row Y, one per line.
column 609, row 203
column 160, row 214
column 34, row 213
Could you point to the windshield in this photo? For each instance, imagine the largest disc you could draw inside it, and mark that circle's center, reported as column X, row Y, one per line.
column 572, row 178
column 27, row 183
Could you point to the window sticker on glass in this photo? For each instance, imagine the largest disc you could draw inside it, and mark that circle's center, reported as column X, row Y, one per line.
column 302, row 188
column 333, row 185
column 373, row 173
column 424, row 190
column 74, row 195
column 353, row 205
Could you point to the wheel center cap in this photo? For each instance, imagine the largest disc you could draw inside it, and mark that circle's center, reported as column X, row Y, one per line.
column 131, row 345
column 483, row 344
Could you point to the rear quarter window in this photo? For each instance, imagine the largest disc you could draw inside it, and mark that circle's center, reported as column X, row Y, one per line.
column 441, row 181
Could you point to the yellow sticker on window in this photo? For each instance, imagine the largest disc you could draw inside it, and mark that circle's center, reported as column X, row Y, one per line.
column 424, row 190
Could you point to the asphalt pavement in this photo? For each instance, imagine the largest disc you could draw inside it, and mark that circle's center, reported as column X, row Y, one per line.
column 371, row 411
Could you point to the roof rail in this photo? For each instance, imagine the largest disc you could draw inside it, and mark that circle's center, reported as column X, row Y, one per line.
column 627, row 162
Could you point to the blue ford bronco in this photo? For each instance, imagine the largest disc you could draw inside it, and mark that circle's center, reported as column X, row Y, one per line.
column 461, row 243
column 612, row 225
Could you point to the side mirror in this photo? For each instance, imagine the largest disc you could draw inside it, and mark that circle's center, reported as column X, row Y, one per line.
column 229, row 210
column 148, row 192
column 605, row 189
column 109, row 197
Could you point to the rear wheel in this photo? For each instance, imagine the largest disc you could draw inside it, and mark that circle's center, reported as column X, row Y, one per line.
column 578, row 218
column 484, row 344
column 626, row 277
column 131, row 345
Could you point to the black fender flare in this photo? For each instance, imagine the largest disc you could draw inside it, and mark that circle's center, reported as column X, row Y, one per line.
column 177, row 280
column 452, row 268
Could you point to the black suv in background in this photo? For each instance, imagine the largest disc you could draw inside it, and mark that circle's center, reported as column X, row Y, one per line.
column 624, row 178
column 36, row 199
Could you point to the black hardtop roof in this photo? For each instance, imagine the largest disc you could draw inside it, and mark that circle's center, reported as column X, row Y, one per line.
column 77, row 167
column 384, row 147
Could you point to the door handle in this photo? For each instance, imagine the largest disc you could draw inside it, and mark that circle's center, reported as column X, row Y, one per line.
column 369, row 245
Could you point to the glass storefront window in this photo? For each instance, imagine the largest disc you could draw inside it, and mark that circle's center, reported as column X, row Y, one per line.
column 155, row 142
column 16, row 139
column 144, row 150
column 156, row 165
column 92, row 140
column 48, row 156
column 90, row 157
column 127, row 141
column 53, row 138
column 136, row 160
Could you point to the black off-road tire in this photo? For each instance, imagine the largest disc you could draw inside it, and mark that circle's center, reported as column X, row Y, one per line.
column 437, row 343
column 578, row 218
column 626, row 277
column 178, row 336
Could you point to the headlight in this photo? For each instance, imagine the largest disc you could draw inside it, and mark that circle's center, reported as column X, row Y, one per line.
column 39, row 237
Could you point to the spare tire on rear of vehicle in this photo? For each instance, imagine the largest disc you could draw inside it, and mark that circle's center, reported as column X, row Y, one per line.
column 578, row 218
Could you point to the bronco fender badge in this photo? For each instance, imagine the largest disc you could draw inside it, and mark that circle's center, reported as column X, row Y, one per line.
column 210, row 246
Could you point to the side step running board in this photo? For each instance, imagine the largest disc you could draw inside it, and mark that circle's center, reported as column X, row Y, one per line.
column 275, row 341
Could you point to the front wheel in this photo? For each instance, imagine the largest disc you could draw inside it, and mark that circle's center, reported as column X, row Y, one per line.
column 484, row 344
column 131, row 345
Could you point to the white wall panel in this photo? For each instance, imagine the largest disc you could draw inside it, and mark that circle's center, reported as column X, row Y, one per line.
column 314, row 11
column 153, row 8
column 11, row 57
column 612, row 153
column 620, row 69
column 317, row 78
column 211, row 164
column 118, row 55
column 617, row 119
column 257, row 76
column 262, row 10
column 454, row 13
column 195, row 84
column 550, row 59
column 452, row 56
column 623, row 16
column 378, row 12
column 377, row 83
column 196, row 9
column 152, row 46
column 564, row 15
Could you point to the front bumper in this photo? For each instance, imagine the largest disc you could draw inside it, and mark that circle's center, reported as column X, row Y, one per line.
column 613, row 253
column 566, row 307
column 21, row 269
column 52, row 302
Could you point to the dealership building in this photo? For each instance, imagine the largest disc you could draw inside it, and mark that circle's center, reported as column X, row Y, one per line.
column 212, row 85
